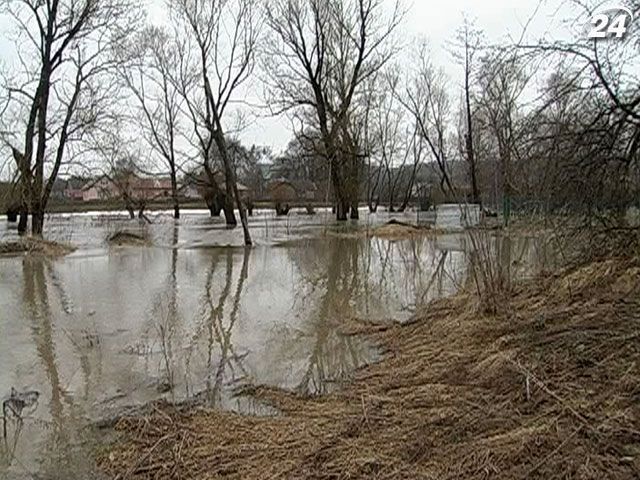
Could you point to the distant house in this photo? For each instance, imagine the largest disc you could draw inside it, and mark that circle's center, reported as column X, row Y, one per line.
column 146, row 188
column 99, row 189
column 200, row 181
column 73, row 189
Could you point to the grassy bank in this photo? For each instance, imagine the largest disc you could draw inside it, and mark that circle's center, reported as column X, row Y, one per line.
column 549, row 388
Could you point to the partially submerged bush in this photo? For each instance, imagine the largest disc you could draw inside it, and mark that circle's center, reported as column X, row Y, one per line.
column 490, row 267
column 396, row 230
column 129, row 239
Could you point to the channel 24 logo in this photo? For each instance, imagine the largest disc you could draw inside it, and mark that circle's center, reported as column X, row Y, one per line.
column 610, row 22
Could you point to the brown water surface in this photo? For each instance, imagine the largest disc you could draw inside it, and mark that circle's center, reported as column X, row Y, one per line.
column 197, row 315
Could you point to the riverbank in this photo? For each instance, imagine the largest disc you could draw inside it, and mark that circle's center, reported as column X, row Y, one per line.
column 548, row 388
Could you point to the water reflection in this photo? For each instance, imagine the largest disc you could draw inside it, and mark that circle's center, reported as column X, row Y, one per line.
column 103, row 328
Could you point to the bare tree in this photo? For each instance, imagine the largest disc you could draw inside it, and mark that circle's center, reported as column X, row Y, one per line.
column 149, row 76
column 587, row 128
column 427, row 101
column 468, row 40
column 389, row 129
column 62, row 84
column 216, row 58
column 319, row 55
column 119, row 166
column 503, row 79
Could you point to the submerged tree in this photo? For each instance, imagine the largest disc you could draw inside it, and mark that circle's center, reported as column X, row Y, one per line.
column 216, row 57
column 319, row 55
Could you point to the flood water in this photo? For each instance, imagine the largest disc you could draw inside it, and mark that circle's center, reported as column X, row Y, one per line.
column 198, row 315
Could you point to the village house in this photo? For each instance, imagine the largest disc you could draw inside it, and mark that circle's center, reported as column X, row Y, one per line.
column 73, row 188
column 103, row 188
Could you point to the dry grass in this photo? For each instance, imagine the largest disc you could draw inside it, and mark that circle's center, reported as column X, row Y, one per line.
column 549, row 388
column 395, row 230
column 129, row 239
column 35, row 246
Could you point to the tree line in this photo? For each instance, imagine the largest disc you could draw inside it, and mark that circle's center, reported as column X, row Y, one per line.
column 547, row 124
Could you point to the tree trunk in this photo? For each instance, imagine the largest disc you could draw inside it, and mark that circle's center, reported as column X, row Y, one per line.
column 391, row 192
column 229, row 215
column 37, row 220
column 341, row 211
column 342, row 204
column 129, row 206
column 355, row 214
column 354, row 187
column 24, row 219
column 231, row 184
column 282, row 210
column 214, row 209
column 213, row 202
column 469, row 137
column 174, row 192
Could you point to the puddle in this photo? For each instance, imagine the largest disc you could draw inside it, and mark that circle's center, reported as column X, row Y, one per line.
column 107, row 327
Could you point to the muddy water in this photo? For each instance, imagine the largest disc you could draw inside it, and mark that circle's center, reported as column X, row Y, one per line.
column 196, row 316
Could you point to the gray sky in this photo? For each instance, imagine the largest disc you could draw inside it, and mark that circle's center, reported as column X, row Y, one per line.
column 437, row 21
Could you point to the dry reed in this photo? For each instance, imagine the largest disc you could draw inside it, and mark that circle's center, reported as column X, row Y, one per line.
column 547, row 388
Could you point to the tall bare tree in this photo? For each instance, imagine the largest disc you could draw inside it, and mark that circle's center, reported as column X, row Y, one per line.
column 428, row 102
column 216, row 58
column 150, row 75
column 467, row 46
column 319, row 55
column 503, row 79
column 389, row 129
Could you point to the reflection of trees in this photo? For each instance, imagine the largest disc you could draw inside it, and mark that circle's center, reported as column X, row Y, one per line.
column 334, row 278
column 37, row 301
column 166, row 315
column 333, row 356
column 223, row 363
column 372, row 278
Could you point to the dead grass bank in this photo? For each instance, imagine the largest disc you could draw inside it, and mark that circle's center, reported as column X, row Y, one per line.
column 129, row 239
column 548, row 389
column 393, row 230
column 35, row 246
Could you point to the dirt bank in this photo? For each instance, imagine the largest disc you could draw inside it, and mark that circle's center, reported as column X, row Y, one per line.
column 548, row 389
column 35, row 246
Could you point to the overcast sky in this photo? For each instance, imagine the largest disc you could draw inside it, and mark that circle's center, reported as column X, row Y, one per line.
column 437, row 21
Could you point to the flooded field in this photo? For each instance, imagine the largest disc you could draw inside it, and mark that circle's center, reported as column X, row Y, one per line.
column 197, row 315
